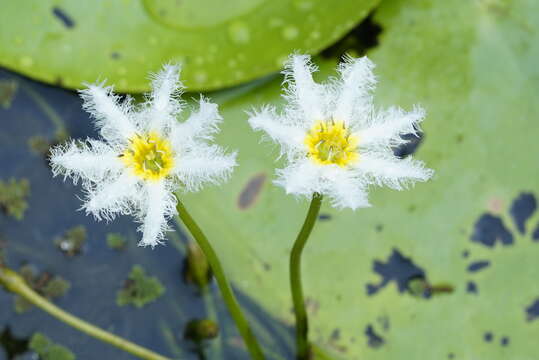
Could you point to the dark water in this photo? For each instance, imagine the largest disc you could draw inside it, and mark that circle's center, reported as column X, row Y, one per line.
column 99, row 272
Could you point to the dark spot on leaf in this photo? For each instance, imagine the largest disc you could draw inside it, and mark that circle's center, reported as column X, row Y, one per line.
column 250, row 192
column 66, row 20
column 450, row 356
column 521, row 209
column 115, row 55
column 532, row 311
column 59, row 81
column 360, row 39
column 383, row 321
column 373, row 339
column 504, row 341
column 465, row 254
column 397, row 268
column 488, row 336
column 324, row 217
column 459, row 138
column 471, row 288
column 379, row 227
column 335, row 335
column 535, row 235
column 490, row 229
column 478, row 265
column 267, row 267
column 410, row 146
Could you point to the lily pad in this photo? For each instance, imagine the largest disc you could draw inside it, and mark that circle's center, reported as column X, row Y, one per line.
column 473, row 66
column 219, row 43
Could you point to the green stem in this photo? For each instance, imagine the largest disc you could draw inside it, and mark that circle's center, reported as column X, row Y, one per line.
column 16, row 284
column 302, row 328
column 222, row 282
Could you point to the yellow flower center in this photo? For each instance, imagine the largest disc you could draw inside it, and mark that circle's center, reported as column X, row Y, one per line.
column 331, row 143
column 149, row 156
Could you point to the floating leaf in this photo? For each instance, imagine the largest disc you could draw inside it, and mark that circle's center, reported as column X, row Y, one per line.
column 473, row 66
column 220, row 43
column 72, row 241
column 47, row 350
column 139, row 289
column 13, row 196
column 49, row 286
column 116, row 241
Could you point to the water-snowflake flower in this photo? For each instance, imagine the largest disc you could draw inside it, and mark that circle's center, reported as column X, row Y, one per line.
column 145, row 154
column 335, row 141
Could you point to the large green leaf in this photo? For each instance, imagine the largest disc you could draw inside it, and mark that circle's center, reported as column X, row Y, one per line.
column 474, row 66
column 220, row 43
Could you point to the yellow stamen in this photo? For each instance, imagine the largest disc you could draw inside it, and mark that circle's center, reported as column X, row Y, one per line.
column 149, row 156
column 331, row 143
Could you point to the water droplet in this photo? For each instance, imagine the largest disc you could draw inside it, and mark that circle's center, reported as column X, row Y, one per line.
column 290, row 32
column 303, row 5
column 152, row 40
column 232, row 63
column 239, row 32
column 199, row 60
column 201, row 76
column 122, row 70
column 239, row 74
column 27, row 61
column 213, row 48
column 275, row 22
column 315, row 35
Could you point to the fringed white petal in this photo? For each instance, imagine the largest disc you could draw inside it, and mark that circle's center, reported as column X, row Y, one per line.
column 113, row 116
column 300, row 178
column 345, row 189
column 388, row 126
column 90, row 160
column 204, row 164
column 347, row 99
column 303, row 93
column 288, row 136
column 353, row 91
column 385, row 169
column 160, row 205
column 115, row 196
column 201, row 125
column 112, row 187
column 164, row 101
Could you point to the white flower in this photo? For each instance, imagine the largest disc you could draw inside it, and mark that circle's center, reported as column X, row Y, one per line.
column 335, row 141
column 146, row 155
